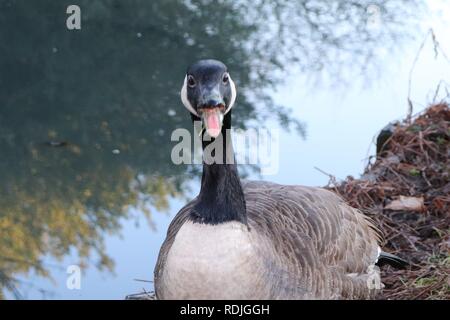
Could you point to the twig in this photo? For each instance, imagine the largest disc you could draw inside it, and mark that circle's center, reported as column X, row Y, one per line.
column 330, row 176
column 141, row 280
column 437, row 49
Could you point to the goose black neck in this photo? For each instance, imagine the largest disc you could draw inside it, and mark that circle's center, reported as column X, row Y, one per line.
column 221, row 197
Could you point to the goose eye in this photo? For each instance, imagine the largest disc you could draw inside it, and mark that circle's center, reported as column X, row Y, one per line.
column 225, row 78
column 191, row 81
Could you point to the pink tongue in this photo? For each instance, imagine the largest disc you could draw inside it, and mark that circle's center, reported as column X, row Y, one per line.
column 212, row 123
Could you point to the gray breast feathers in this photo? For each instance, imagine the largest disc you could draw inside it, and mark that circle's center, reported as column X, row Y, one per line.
column 310, row 243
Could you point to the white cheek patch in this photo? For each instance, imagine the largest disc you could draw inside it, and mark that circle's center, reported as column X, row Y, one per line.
column 233, row 94
column 185, row 99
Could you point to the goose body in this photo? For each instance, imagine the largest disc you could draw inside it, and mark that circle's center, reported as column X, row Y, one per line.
column 310, row 246
column 260, row 240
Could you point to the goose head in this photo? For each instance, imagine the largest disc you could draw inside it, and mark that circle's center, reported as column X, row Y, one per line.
column 208, row 93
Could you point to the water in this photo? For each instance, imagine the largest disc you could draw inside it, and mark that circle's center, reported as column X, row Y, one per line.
column 86, row 117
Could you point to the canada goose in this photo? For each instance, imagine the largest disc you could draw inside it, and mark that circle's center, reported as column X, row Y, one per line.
column 259, row 240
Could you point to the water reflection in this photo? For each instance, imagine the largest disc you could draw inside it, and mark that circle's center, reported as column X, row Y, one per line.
column 86, row 115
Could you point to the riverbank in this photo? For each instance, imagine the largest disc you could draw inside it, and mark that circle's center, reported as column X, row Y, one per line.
column 406, row 190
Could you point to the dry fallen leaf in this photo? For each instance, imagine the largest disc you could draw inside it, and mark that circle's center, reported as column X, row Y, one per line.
column 406, row 203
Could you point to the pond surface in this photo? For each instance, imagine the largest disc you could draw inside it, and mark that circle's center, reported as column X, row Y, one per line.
column 86, row 116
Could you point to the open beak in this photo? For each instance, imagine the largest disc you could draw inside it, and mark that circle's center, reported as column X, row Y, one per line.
column 212, row 118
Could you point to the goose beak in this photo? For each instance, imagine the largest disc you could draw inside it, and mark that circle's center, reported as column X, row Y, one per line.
column 212, row 119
